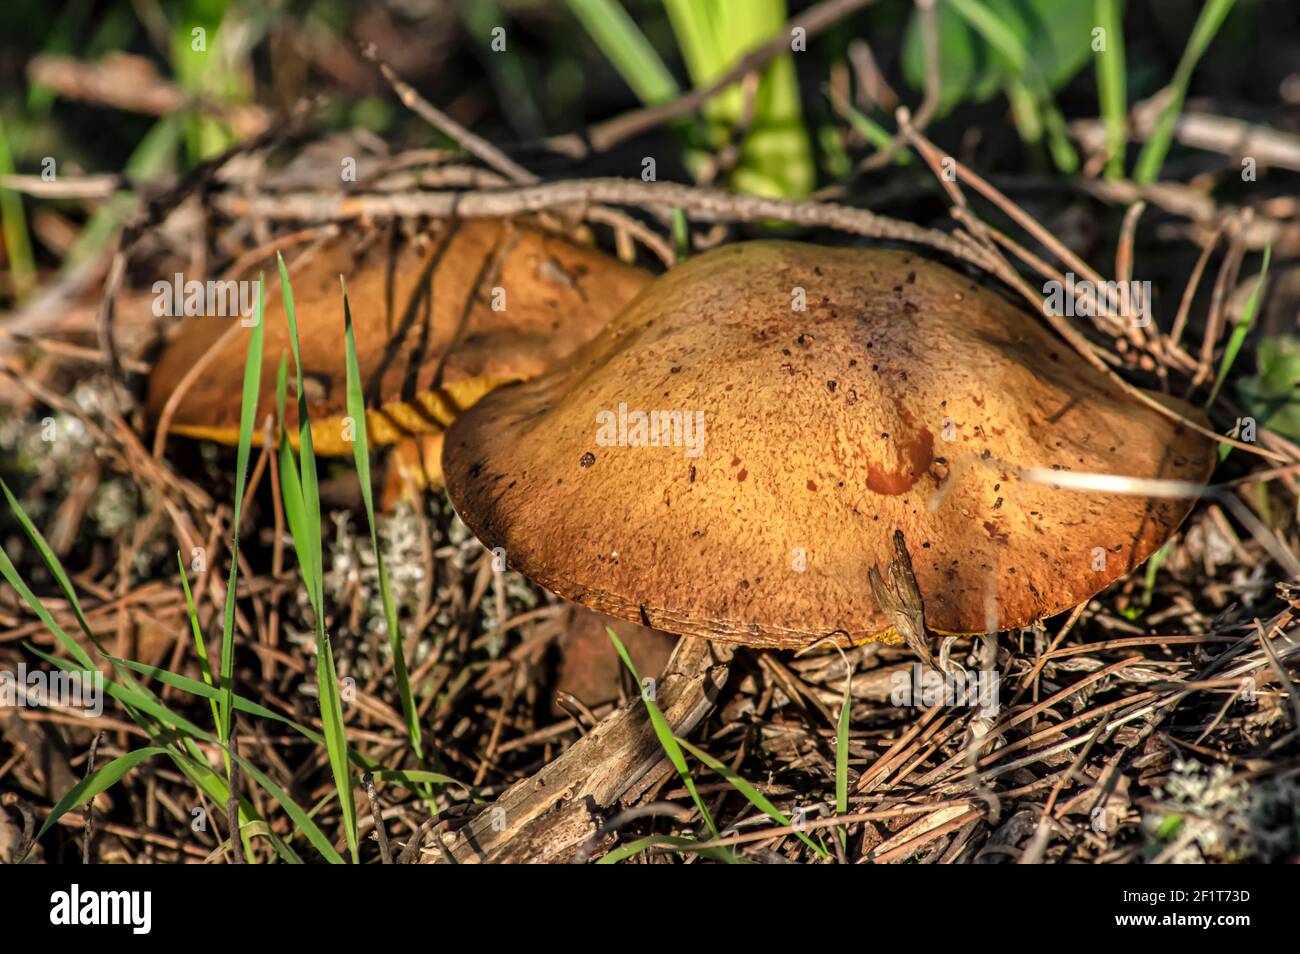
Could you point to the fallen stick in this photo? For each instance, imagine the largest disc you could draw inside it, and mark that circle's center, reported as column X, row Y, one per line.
column 701, row 204
column 548, row 817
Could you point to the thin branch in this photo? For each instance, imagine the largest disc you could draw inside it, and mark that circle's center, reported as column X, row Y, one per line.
column 90, row 805
column 707, row 205
column 929, row 19
column 1224, row 282
column 482, row 149
column 1081, row 344
column 67, row 187
column 385, row 853
column 473, row 144
column 232, row 806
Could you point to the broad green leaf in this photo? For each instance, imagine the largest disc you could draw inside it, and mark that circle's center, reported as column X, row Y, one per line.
column 968, row 69
column 1272, row 394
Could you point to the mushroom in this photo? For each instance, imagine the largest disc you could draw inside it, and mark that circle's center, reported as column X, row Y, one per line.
column 440, row 320
column 735, row 450
column 589, row 668
column 414, row 469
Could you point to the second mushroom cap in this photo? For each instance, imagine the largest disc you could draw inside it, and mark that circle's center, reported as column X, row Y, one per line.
column 441, row 315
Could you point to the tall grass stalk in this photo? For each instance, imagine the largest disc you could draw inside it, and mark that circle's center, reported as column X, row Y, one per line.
column 300, row 492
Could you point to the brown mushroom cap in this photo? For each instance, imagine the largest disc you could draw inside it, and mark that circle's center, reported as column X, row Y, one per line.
column 429, row 342
column 904, row 397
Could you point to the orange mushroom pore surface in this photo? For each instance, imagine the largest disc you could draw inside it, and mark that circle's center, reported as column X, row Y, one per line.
column 735, row 450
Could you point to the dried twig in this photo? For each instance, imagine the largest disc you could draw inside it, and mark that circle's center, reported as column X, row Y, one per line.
column 550, row 815
column 708, row 205
column 1072, row 336
column 899, row 597
column 929, row 18
column 89, row 828
column 471, row 143
column 385, row 853
column 1226, row 280
column 232, row 806
column 1222, row 134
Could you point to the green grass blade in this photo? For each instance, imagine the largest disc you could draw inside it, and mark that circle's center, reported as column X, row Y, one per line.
column 1030, row 94
column 135, row 693
column 18, row 247
column 626, row 47
column 295, row 514
column 1242, row 328
column 1112, row 91
column 872, row 131
column 842, row 753
column 247, row 422
column 97, row 781
column 681, row 235
column 206, row 691
column 249, row 707
column 756, row 798
column 361, row 454
column 1152, row 158
column 70, row 645
column 167, row 717
column 291, row 808
column 666, row 738
column 281, row 385
column 1152, row 569
column 306, row 453
column 135, row 699
column 301, row 495
column 996, row 33
column 199, row 648
column 633, row 848
column 776, row 157
column 692, row 22
column 335, row 732
column 1058, row 137
column 55, row 566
